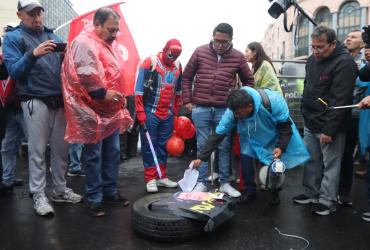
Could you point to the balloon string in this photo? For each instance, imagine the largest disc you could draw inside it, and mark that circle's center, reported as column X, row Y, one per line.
column 294, row 236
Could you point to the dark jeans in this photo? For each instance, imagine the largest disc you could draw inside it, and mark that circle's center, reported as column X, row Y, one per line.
column 368, row 177
column 248, row 172
column 101, row 167
column 346, row 171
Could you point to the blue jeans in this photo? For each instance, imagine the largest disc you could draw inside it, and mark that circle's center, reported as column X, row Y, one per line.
column 15, row 132
column 368, row 177
column 205, row 120
column 74, row 152
column 101, row 167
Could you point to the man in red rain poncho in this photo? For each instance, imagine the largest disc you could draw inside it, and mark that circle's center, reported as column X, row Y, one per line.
column 92, row 79
column 156, row 103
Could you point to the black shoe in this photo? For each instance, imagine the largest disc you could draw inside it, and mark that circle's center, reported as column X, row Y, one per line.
column 116, row 200
column 322, row 209
column 366, row 216
column 275, row 200
column 76, row 173
column 96, row 209
column 247, row 197
column 304, row 199
column 17, row 182
column 344, row 200
column 6, row 190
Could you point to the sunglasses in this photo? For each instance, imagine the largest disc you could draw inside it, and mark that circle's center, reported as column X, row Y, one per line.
column 169, row 56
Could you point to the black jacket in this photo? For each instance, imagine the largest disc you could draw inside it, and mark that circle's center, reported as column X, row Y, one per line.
column 333, row 80
column 364, row 73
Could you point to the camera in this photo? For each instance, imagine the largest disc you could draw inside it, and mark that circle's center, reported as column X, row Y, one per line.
column 366, row 35
column 278, row 7
column 60, row 47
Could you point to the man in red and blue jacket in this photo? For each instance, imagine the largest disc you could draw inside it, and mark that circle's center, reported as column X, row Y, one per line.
column 157, row 102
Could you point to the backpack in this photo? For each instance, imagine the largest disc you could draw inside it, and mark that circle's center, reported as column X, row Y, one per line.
column 265, row 99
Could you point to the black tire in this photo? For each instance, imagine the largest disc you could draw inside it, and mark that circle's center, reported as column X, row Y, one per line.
column 162, row 226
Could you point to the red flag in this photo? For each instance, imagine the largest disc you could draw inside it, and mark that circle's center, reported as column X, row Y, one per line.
column 129, row 56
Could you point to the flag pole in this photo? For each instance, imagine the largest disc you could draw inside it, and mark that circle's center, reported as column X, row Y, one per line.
column 68, row 22
column 63, row 25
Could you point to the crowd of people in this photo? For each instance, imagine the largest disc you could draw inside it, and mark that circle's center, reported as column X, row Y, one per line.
column 73, row 102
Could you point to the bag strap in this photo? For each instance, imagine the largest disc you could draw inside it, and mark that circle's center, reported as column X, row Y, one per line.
column 265, row 100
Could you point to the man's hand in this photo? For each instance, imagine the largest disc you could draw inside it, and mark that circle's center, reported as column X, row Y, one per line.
column 141, row 117
column 113, row 96
column 196, row 163
column 276, row 153
column 189, row 106
column 44, row 48
column 365, row 103
column 367, row 54
column 325, row 139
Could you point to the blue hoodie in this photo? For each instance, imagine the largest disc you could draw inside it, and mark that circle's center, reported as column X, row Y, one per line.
column 259, row 134
column 36, row 77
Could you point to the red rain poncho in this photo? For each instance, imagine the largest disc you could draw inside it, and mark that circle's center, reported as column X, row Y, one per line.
column 91, row 64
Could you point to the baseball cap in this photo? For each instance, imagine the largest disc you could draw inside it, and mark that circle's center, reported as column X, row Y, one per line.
column 28, row 5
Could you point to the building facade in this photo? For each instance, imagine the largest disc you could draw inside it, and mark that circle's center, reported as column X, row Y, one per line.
column 341, row 15
column 58, row 12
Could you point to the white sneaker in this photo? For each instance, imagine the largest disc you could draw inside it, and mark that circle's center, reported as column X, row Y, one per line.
column 215, row 176
column 200, row 187
column 229, row 190
column 41, row 204
column 165, row 182
column 67, row 196
column 151, row 186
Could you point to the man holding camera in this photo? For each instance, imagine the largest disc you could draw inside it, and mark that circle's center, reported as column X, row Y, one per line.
column 29, row 55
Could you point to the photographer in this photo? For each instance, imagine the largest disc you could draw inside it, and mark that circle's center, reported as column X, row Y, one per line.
column 364, row 128
column 30, row 58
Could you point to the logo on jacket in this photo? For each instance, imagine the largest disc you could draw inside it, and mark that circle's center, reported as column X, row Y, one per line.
column 324, row 78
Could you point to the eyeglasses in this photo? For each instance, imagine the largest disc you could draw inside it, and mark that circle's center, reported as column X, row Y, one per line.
column 169, row 56
column 222, row 43
column 320, row 48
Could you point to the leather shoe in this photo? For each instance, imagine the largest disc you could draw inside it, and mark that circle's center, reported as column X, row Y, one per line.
column 247, row 197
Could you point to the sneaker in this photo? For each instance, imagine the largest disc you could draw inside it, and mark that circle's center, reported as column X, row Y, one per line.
column 215, row 177
column 67, row 196
column 41, row 204
column 73, row 173
column 229, row 190
column 116, row 200
column 151, row 186
column 304, row 199
column 344, row 200
column 96, row 209
column 200, row 187
column 322, row 209
column 247, row 198
column 165, row 182
column 17, row 182
column 366, row 216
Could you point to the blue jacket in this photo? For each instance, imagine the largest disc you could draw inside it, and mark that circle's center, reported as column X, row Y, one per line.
column 36, row 77
column 259, row 134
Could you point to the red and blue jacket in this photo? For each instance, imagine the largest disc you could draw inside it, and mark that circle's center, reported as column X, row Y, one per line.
column 163, row 96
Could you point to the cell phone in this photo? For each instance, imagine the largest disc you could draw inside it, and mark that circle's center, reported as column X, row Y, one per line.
column 60, row 47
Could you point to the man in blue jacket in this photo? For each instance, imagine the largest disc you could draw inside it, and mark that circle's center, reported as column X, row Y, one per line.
column 29, row 56
column 264, row 134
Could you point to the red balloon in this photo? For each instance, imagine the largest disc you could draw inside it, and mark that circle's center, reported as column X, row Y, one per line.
column 175, row 145
column 182, row 126
column 188, row 134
